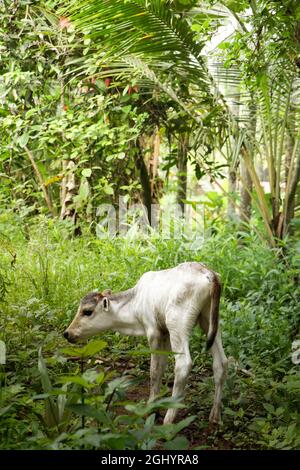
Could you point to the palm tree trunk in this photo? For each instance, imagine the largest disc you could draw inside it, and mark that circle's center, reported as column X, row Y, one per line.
column 182, row 155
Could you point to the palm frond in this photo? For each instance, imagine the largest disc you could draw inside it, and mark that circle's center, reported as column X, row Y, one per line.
column 149, row 31
column 135, row 39
column 143, row 29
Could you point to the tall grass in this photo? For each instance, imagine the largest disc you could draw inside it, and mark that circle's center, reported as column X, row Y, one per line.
column 52, row 271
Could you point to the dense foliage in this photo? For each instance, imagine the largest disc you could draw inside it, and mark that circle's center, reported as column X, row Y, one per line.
column 112, row 102
column 51, row 272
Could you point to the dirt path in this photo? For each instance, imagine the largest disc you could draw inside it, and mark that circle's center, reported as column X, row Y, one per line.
column 204, row 437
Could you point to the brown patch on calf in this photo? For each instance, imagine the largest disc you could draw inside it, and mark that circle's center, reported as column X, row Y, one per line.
column 92, row 298
column 214, row 309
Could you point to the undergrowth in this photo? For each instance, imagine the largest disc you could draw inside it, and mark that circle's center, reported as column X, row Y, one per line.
column 61, row 398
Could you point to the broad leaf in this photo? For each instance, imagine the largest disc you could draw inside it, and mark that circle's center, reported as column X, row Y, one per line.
column 89, row 350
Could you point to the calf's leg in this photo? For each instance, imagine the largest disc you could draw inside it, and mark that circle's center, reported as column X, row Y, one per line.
column 183, row 365
column 160, row 342
column 220, row 366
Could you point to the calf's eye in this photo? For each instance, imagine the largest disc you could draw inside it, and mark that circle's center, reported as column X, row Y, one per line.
column 88, row 313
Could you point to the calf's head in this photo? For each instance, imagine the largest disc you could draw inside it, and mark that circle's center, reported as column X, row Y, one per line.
column 93, row 316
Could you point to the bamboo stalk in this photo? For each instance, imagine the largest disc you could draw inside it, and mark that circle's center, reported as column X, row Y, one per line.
column 271, row 169
column 282, row 135
column 261, row 196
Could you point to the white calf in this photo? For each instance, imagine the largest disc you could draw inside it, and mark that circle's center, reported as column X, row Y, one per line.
column 164, row 306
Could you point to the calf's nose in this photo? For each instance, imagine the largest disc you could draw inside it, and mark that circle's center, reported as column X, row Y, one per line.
column 66, row 334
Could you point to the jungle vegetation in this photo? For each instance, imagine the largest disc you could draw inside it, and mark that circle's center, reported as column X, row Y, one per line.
column 191, row 105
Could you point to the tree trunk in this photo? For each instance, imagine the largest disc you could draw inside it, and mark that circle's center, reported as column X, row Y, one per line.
column 246, row 189
column 67, row 192
column 153, row 167
column 290, row 182
column 290, row 196
column 182, row 155
column 68, row 187
column 150, row 145
column 245, row 212
column 144, row 179
column 232, row 171
column 231, row 214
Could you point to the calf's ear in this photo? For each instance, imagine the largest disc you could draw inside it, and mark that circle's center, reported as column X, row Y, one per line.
column 105, row 303
column 99, row 296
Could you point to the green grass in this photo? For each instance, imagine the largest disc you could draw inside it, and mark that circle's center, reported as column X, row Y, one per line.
column 52, row 271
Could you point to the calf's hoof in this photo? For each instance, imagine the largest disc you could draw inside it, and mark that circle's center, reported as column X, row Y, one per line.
column 215, row 415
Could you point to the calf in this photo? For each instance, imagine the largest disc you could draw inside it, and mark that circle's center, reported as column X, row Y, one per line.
column 164, row 306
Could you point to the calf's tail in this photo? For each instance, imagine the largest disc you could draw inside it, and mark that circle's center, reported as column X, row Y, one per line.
column 214, row 311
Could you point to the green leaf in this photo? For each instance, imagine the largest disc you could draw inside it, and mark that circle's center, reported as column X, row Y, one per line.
column 51, row 410
column 76, row 380
column 86, row 172
column 169, row 431
column 178, row 443
column 88, row 350
column 22, row 140
column 199, row 172
column 83, row 195
column 108, row 190
column 269, row 407
column 5, row 409
column 141, row 409
column 93, row 347
column 44, row 373
column 90, row 412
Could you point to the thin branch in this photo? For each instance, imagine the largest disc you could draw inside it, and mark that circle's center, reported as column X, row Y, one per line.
column 41, row 181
